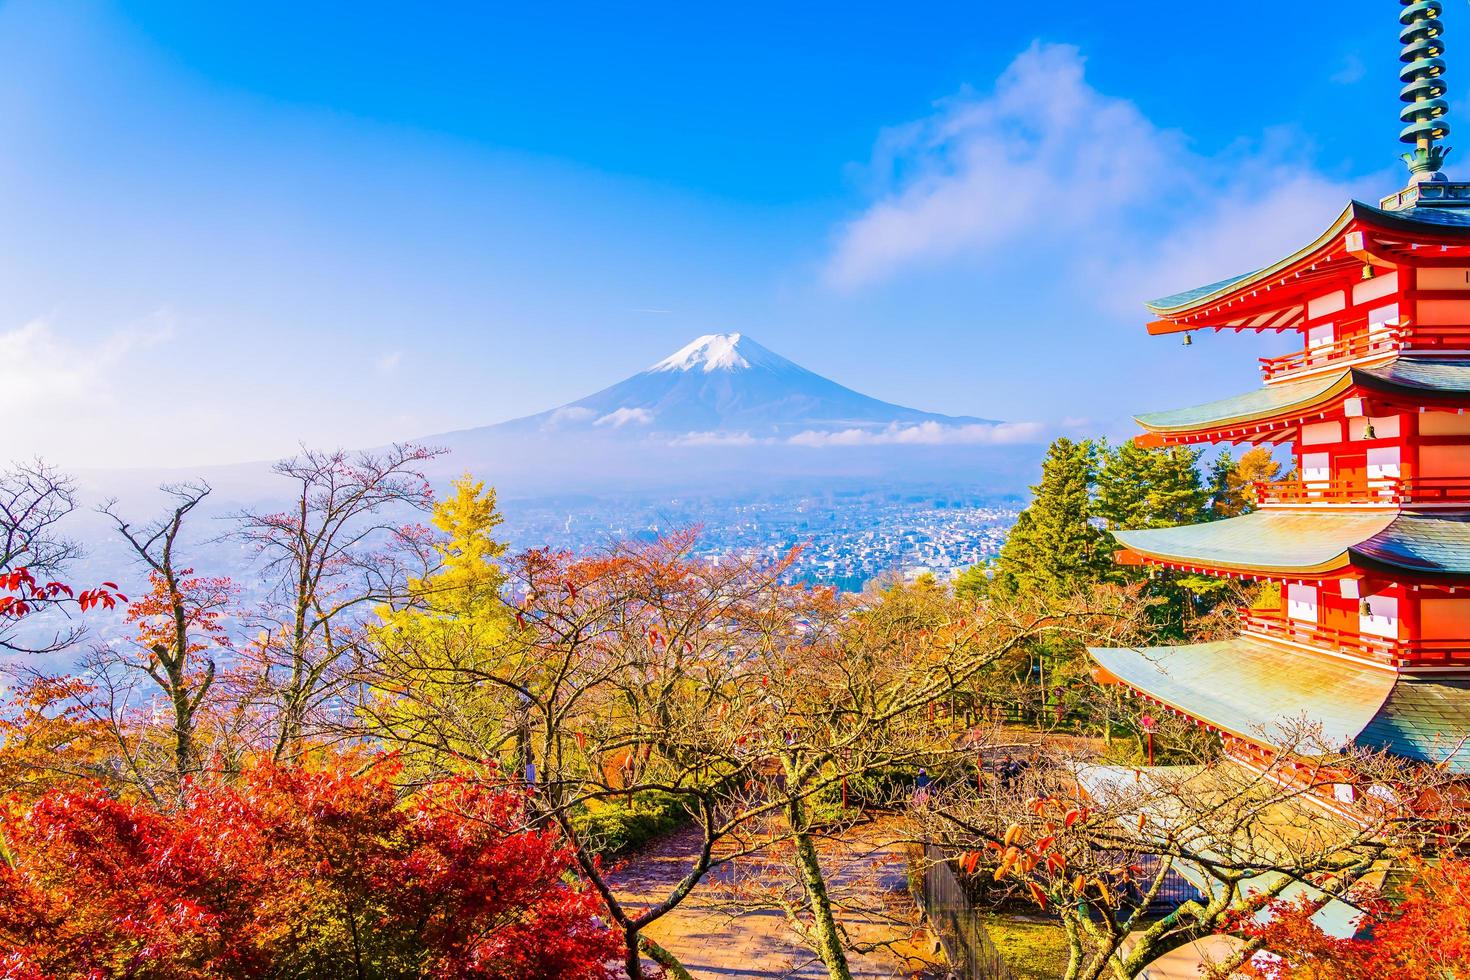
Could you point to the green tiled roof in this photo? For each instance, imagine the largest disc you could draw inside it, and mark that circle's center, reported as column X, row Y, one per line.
column 1425, row 719
column 1267, row 540
column 1252, row 688
column 1430, row 543
column 1427, row 376
column 1199, row 292
column 1308, row 542
column 1256, row 404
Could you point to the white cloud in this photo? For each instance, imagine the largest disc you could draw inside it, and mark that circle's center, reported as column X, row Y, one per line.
column 1046, row 159
column 568, row 415
column 626, row 416
column 389, row 362
column 66, row 391
column 925, row 434
column 718, row 439
column 1352, row 70
column 39, row 366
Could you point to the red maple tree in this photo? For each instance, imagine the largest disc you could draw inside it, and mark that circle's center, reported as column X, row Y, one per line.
column 1426, row 936
column 293, row 871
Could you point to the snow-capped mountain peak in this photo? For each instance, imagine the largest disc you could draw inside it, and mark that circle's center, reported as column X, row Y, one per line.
column 718, row 352
column 726, row 383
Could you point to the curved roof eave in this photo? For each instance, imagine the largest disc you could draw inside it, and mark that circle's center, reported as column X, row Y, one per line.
column 1306, row 542
column 1424, row 378
column 1445, row 222
column 1238, row 685
column 1179, row 302
column 1253, row 406
column 1287, row 542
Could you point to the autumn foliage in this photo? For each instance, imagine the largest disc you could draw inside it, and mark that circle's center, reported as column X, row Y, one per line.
column 291, row 871
column 1426, row 936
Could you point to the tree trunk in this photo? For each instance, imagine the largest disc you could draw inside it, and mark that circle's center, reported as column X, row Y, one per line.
column 633, row 961
column 828, row 940
column 670, row 963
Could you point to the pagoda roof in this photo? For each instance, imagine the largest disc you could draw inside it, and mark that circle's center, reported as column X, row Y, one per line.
column 1419, row 377
column 1255, row 690
column 1437, row 221
column 1311, row 542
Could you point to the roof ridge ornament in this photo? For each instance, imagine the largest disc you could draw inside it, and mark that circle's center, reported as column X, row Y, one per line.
column 1424, row 89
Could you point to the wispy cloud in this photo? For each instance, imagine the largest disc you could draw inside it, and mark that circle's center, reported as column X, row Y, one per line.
column 389, row 362
column 1352, row 70
column 925, row 434
column 1044, row 158
column 718, row 439
column 569, row 415
column 40, row 365
column 626, row 416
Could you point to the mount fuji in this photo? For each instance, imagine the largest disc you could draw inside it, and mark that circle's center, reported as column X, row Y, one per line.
column 731, row 386
column 724, row 409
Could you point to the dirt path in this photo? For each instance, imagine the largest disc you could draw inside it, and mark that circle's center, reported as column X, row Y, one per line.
column 734, row 923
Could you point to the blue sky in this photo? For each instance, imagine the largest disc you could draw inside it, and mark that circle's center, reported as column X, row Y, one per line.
column 228, row 228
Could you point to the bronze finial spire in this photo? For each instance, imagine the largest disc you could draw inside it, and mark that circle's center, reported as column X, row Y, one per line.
column 1424, row 88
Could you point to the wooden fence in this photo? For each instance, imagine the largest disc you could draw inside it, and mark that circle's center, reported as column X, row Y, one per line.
column 957, row 922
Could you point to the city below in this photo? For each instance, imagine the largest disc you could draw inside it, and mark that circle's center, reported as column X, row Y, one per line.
column 846, row 537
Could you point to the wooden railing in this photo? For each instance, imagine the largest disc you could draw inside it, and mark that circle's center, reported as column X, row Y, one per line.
column 1379, row 649
column 1438, row 338
column 1363, row 490
column 1363, row 342
column 1368, row 343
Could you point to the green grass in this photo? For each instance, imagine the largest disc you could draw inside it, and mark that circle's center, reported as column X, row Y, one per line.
column 1034, row 950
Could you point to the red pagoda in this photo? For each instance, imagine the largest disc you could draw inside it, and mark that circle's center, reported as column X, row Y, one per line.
column 1369, row 541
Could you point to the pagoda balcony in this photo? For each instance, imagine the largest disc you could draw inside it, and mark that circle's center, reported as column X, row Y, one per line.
column 1361, row 346
column 1365, row 491
column 1387, row 651
column 1365, row 344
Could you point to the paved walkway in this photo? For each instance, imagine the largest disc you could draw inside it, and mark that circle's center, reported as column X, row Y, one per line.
column 735, row 923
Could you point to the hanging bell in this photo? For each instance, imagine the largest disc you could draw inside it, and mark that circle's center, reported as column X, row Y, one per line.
column 1368, row 432
column 1365, row 608
column 1368, row 271
column 1188, row 340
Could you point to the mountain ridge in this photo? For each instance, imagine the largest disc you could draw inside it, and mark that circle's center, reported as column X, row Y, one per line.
column 725, row 383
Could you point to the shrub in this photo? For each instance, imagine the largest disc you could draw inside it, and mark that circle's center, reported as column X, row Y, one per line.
column 292, row 872
column 615, row 828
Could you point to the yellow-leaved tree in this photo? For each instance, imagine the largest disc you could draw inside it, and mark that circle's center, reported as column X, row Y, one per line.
column 455, row 622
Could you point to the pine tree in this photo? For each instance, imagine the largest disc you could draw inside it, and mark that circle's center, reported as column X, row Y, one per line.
column 1055, row 546
column 1123, row 483
column 1175, row 494
column 1224, row 488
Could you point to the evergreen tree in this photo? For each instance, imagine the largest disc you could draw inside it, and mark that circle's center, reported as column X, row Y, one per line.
column 1176, row 495
column 973, row 584
column 1141, row 488
column 1122, row 486
column 1224, row 488
column 1055, row 545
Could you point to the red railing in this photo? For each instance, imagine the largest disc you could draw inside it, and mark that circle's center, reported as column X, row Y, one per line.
column 1364, row 342
column 1379, row 649
column 1362, row 490
column 1438, row 338
column 1358, row 345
